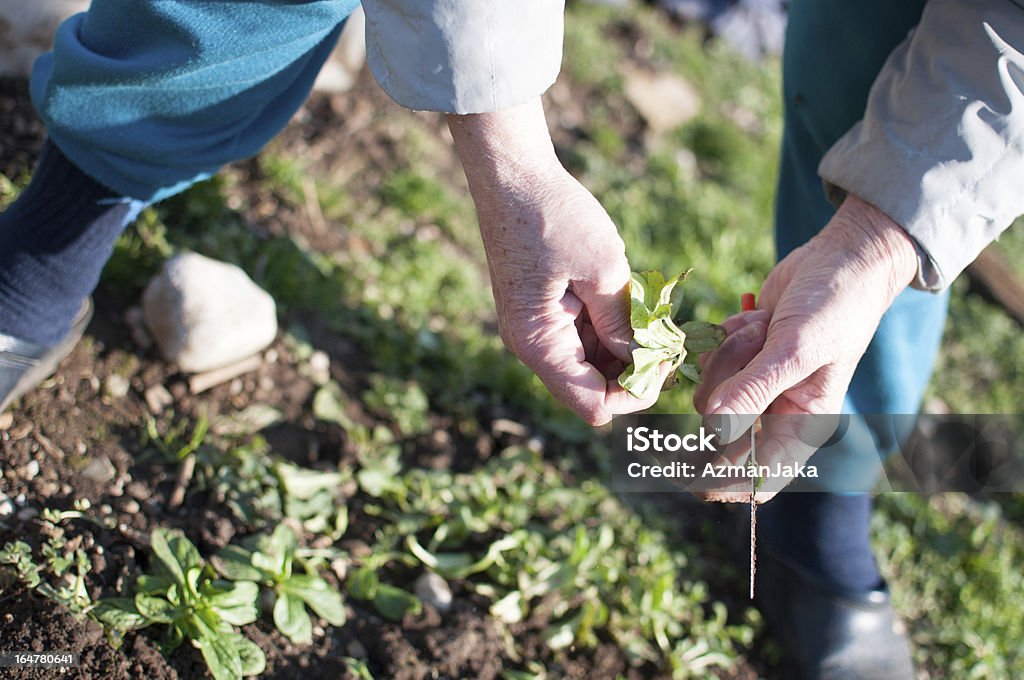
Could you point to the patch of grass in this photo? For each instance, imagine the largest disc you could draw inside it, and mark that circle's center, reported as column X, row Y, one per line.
column 955, row 566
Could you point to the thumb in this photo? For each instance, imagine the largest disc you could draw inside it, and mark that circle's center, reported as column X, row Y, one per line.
column 774, row 370
column 607, row 303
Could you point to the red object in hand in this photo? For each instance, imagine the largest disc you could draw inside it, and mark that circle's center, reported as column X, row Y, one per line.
column 747, row 302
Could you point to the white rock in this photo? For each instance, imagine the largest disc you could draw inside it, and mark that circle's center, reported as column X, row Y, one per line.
column 6, row 506
column 204, row 314
column 341, row 70
column 116, row 386
column 664, row 100
column 31, row 469
column 434, row 590
column 27, row 29
column 320, row 367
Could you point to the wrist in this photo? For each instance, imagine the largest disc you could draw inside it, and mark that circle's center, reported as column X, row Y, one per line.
column 876, row 242
column 505, row 150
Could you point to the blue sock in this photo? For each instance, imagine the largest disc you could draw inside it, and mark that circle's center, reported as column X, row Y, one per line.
column 826, row 534
column 54, row 240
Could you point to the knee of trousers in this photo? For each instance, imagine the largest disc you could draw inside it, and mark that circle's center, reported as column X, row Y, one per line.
column 148, row 97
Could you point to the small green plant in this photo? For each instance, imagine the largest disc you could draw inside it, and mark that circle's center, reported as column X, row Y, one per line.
column 58, row 560
column 17, row 559
column 182, row 593
column 405, row 402
column 654, row 306
column 270, row 561
column 391, row 602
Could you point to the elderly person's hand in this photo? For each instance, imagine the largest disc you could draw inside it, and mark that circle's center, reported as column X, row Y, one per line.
column 822, row 304
column 558, row 267
column 796, row 354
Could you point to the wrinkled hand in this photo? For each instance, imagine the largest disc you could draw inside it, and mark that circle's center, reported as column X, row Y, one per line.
column 824, row 302
column 817, row 313
column 557, row 264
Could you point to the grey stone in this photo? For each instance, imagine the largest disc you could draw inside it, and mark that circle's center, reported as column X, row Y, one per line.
column 99, row 470
column 664, row 100
column 204, row 314
column 434, row 590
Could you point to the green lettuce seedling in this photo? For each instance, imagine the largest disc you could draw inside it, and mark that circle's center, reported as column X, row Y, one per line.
column 658, row 338
column 182, row 594
column 270, row 560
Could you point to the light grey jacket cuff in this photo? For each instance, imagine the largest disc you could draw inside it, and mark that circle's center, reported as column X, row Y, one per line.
column 464, row 56
column 941, row 146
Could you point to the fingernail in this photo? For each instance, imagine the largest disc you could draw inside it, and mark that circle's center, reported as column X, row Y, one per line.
column 724, row 422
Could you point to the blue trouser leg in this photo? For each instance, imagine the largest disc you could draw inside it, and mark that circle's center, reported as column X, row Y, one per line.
column 834, row 50
column 146, row 97
column 150, row 96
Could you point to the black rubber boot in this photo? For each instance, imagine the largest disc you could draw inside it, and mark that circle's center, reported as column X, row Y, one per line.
column 829, row 634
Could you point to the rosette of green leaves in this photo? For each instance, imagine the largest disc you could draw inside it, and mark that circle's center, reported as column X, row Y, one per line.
column 183, row 594
column 658, row 338
column 270, row 560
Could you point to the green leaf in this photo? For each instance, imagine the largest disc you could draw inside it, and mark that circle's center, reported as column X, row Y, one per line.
column 329, row 405
column 394, row 603
column 250, row 420
column 235, row 601
column 509, row 608
column 363, row 584
column 156, row 609
column 702, row 337
column 690, row 371
column 291, row 618
column 149, row 583
column 319, row 595
column 119, row 613
column 254, row 661
column 234, row 562
column 276, row 551
column 659, row 342
column 175, row 553
column 305, row 483
column 219, row 652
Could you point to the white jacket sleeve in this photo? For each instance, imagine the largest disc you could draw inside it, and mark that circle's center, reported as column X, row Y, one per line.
column 941, row 146
column 464, row 56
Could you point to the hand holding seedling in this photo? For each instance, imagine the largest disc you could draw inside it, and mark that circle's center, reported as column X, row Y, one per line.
column 819, row 308
column 558, row 266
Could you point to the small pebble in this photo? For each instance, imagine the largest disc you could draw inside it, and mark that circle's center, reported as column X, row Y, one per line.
column 158, row 398
column 31, row 469
column 320, row 367
column 99, row 470
column 116, row 386
column 356, row 650
column 6, row 507
column 27, row 514
column 6, row 420
column 130, row 506
column 434, row 590
column 340, row 568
